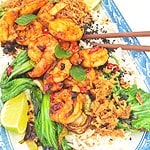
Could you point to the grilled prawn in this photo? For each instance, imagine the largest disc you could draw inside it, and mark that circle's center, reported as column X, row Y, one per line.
column 29, row 6
column 65, row 108
column 46, row 44
column 65, row 29
column 53, row 77
column 48, row 11
column 27, row 33
column 94, row 57
column 7, row 32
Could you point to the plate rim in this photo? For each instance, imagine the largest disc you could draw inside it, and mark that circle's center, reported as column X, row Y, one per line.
column 112, row 10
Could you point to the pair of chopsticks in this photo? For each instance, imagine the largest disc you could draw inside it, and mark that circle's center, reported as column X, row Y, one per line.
column 120, row 35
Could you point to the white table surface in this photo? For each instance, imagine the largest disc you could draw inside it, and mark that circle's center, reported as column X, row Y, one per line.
column 137, row 15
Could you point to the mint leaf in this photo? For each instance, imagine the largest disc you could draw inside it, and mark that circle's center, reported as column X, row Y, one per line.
column 78, row 73
column 25, row 19
column 60, row 53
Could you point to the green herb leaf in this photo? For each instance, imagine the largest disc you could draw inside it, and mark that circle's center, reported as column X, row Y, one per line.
column 2, row 11
column 78, row 73
column 25, row 19
column 60, row 53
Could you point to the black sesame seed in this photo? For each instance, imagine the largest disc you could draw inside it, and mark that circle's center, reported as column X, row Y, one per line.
column 130, row 138
column 5, row 51
column 10, row 46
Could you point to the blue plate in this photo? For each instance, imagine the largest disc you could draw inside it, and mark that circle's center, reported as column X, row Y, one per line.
column 143, row 66
column 141, row 59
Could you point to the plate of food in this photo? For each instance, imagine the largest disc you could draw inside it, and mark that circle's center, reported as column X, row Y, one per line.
column 62, row 91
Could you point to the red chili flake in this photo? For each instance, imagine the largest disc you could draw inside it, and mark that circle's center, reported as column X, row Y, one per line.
column 46, row 88
column 110, row 65
column 94, row 49
column 9, row 70
column 45, row 31
column 83, row 89
column 52, row 96
column 114, row 67
column 74, row 48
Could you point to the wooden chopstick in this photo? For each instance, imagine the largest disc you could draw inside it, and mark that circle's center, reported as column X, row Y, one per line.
column 120, row 35
column 117, row 35
column 124, row 47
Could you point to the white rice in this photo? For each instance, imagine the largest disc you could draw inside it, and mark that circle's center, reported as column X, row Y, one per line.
column 89, row 140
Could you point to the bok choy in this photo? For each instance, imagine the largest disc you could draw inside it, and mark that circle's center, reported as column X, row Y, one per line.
column 45, row 128
column 139, row 100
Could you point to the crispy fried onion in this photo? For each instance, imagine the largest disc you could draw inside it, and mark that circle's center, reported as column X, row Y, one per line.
column 106, row 113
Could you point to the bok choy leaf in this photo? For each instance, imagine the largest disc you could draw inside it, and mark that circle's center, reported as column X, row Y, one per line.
column 139, row 100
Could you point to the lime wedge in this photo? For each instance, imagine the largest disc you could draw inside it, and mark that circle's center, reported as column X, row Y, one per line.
column 31, row 145
column 14, row 114
column 91, row 4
